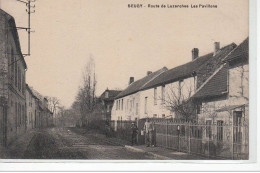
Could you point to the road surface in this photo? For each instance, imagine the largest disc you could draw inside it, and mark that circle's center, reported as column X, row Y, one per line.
column 69, row 143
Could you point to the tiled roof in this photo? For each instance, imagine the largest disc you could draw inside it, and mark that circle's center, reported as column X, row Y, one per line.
column 37, row 94
column 240, row 52
column 111, row 94
column 141, row 83
column 186, row 70
column 216, row 84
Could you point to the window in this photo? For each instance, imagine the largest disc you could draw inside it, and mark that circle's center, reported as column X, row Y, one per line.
column 108, row 108
column 136, row 107
column 208, row 129
column 145, row 105
column 19, row 79
column 163, row 115
column 122, row 104
column 163, row 94
column 12, row 65
column 154, row 115
column 237, row 118
column 131, row 102
column 15, row 73
column 119, row 104
column 180, row 87
column 23, row 84
column 237, row 131
column 198, row 108
column 220, row 130
column 155, row 96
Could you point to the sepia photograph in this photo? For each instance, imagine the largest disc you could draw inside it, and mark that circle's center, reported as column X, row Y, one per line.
column 124, row 80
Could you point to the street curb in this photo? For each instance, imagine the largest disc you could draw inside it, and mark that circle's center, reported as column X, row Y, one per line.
column 142, row 151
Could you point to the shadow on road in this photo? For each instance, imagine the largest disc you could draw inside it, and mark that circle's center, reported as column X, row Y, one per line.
column 44, row 146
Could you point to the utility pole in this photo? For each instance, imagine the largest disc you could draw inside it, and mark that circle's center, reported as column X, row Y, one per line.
column 29, row 10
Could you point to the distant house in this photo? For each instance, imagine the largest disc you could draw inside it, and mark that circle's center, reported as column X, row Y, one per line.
column 105, row 104
column 12, row 81
column 224, row 97
column 153, row 95
column 108, row 98
column 43, row 116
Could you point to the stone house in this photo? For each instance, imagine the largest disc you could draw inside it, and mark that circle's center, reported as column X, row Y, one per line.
column 12, row 81
column 107, row 101
column 223, row 99
column 156, row 95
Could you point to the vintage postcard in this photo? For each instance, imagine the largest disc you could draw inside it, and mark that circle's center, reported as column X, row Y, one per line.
column 124, row 80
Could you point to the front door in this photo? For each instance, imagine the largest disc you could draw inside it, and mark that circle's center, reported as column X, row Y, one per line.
column 3, row 126
column 237, row 132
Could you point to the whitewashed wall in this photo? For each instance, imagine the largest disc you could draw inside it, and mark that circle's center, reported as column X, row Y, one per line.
column 134, row 105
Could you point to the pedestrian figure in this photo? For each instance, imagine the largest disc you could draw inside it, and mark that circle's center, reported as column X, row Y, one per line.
column 148, row 132
column 153, row 134
column 134, row 129
column 107, row 128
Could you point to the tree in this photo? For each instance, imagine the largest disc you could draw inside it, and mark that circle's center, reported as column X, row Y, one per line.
column 53, row 104
column 178, row 99
column 86, row 97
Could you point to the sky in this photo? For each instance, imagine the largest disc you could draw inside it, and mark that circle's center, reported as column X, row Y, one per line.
column 123, row 41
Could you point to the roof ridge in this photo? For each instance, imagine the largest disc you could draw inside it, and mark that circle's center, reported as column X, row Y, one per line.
column 225, row 59
column 142, row 87
column 147, row 75
column 203, row 56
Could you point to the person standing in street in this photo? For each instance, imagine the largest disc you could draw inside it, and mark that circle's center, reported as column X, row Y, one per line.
column 134, row 129
column 153, row 135
column 148, row 132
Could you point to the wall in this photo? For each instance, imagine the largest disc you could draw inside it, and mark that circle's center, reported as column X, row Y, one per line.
column 30, row 110
column 173, row 91
column 128, row 110
column 238, row 94
column 14, row 89
column 131, row 111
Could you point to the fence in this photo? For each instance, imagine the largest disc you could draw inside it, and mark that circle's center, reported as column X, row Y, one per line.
column 218, row 140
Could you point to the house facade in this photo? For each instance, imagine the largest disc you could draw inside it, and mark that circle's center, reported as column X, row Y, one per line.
column 162, row 94
column 43, row 117
column 128, row 103
column 12, row 81
column 224, row 99
column 107, row 101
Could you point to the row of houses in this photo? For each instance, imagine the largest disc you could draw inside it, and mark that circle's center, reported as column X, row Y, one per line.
column 21, row 107
column 211, row 88
column 201, row 106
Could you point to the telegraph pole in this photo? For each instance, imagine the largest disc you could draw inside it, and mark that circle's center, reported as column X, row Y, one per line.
column 29, row 11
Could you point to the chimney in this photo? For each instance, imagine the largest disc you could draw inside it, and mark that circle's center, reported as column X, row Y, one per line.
column 131, row 80
column 216, row 47
column 195, row 53
column 149, row 72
